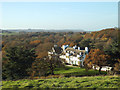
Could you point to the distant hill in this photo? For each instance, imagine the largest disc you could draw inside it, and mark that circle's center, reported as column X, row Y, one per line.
column 44, row 30
column 105, row 33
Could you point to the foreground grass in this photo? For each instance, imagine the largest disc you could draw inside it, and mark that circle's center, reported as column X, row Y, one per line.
column 64, row 82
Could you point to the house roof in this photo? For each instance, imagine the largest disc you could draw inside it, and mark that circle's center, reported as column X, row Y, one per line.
column 75, row 50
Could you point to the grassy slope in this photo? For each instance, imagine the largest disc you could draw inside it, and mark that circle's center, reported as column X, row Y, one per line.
column 65, row 82
column 76, row 71
column 72, row 82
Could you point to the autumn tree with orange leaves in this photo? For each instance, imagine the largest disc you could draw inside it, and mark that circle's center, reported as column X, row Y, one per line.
column 96, row 57
column 35, row 42
column 117, row 66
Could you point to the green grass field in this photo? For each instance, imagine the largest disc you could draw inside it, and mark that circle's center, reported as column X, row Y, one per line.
column 76, row 71
column 64, row 82
column 68, row 77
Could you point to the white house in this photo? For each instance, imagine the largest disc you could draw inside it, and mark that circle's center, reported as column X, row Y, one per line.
column 104, row 68
column 73, row 55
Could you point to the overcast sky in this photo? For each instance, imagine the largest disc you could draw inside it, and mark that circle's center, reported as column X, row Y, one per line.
column 59, row 15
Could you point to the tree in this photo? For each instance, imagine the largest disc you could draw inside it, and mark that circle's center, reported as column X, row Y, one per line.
column 113, row 50
column 96, row 57
column 19, row 60
column 42, row 49
column 54, row 62
column 39, row 68
column 45, row 66
column 99, row 45
column 117, row 66
column 35, row 42
column 85, row 43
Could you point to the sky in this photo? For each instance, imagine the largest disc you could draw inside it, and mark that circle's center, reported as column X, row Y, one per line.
column 87, row 16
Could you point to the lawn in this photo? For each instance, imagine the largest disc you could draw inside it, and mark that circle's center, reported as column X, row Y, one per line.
column 76, row 71
column 96, row 82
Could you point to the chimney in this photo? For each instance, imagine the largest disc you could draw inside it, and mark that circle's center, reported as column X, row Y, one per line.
column 63, row 47
column 78, row 48
column 75, row 47
column 86, row 49
column 80, row 53
column 55, row 45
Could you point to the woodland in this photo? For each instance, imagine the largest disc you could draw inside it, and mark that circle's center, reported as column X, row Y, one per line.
column 25, row 54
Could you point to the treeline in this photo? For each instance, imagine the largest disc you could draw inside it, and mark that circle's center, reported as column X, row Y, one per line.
column 41, row 42
column 21, row 62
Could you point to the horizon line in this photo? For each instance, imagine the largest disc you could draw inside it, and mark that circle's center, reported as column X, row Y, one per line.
column 55, row 29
